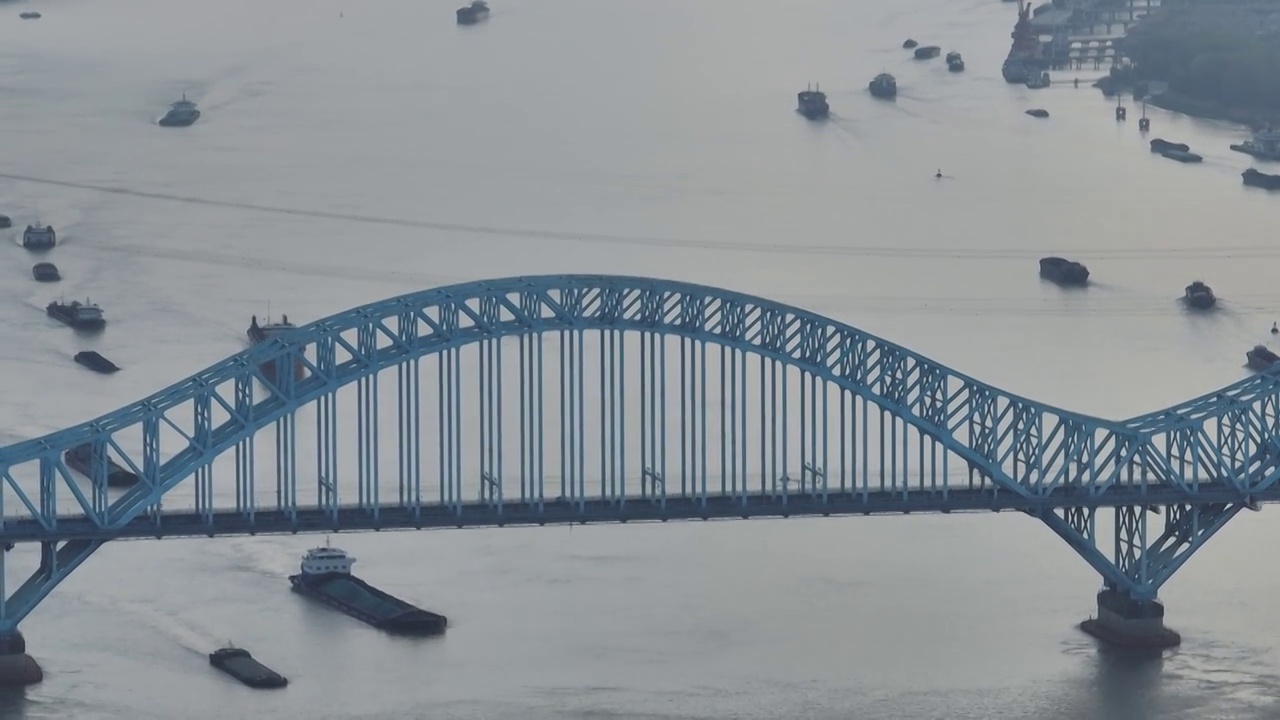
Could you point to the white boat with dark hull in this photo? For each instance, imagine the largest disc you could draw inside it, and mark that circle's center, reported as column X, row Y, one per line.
column 181, row 114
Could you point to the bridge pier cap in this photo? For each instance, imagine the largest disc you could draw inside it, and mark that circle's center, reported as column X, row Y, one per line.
column 1130, row 623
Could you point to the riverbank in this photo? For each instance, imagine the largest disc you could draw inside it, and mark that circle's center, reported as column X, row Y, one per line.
column 1208, row 110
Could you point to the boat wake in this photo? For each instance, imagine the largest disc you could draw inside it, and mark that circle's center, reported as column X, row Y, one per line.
column 177, row 629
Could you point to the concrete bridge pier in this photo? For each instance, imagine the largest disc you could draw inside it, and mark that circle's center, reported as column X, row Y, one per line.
column 1127, row 622
column 17, row 668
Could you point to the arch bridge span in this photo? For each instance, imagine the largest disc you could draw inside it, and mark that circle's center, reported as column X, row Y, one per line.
column 586, row 398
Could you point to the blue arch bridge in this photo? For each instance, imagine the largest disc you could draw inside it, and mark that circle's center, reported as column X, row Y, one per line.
column 591, row 399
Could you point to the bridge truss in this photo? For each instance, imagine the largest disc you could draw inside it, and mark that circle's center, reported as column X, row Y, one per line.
column 573, row 399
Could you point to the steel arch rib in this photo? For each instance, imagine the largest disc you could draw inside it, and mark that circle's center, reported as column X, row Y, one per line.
column 980, row 423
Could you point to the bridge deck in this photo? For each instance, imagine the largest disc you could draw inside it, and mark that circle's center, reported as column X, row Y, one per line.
column 350, row 518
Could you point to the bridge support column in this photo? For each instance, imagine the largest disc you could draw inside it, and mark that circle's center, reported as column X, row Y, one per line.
column 17, row 668
column 1130, row 623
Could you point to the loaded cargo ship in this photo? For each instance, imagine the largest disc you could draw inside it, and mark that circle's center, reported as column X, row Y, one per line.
column 239, row 664
column 80, row 459
column 325, row 575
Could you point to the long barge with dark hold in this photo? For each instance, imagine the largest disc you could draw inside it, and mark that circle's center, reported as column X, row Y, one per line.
column 1063, row 271
column 812, row 103
column 262, row 333
column 239, row 664
column 1261, row 357
column 1160, row 145
column 45, row 272
column 1260, row 179
column 80, row 459
column 96, row 362
column 927, row 52
column 325, row 575
column 1199, row 296
column 79, row 315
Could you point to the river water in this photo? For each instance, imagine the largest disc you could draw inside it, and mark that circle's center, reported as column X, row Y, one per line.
column 352, row 151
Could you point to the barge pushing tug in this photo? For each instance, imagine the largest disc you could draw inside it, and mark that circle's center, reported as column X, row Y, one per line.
column 1199, row 296
column 325, row 575
column 883, row 86
column 239, row 664
column 80, row 459
column 1261, row 358
column 36, row 237
column 473, row 13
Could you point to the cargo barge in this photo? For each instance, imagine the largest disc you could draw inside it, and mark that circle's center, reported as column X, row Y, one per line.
column 239, row 664
column 325, row 575
column 80, row 459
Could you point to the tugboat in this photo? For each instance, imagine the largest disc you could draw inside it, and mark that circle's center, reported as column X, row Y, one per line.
column 325, row 575
column 884, row 86
column 909, row 44
column 1199, row 296
column 1160, row 145
column 1261, row 357
column 81, row 316
column 955, row 63
column 239, row 664
column 45, row 272
column 39, row 238
column 181, row 114
column 928, row 52
column 80, row 459
column 1063, row 271
column 812, row 103
column 1022, row 57
column 5, row 222
column 473, row 13
column 1265, row 145
column 262, row 333
column 1261, row 179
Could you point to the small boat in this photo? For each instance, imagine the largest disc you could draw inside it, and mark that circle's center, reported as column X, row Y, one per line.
column 1199, row 296
column 82, row 316
column 1261, row 179
column 883, row 85
column 955, row 64
column 953, row 55
column 473, row 13
column 1261, row 357
column 928, row 52
column 39, row 238
column 1038, row 112
column 29, row 15
column 909, row 44
column 1063, row 271
column 239, row 664
column 1160, row 145
column 812, row 103
column 1182, row 156
column 5, row 222
column 1036, row 82
column 96, row 362
column 181, row 114
column 45, row 272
